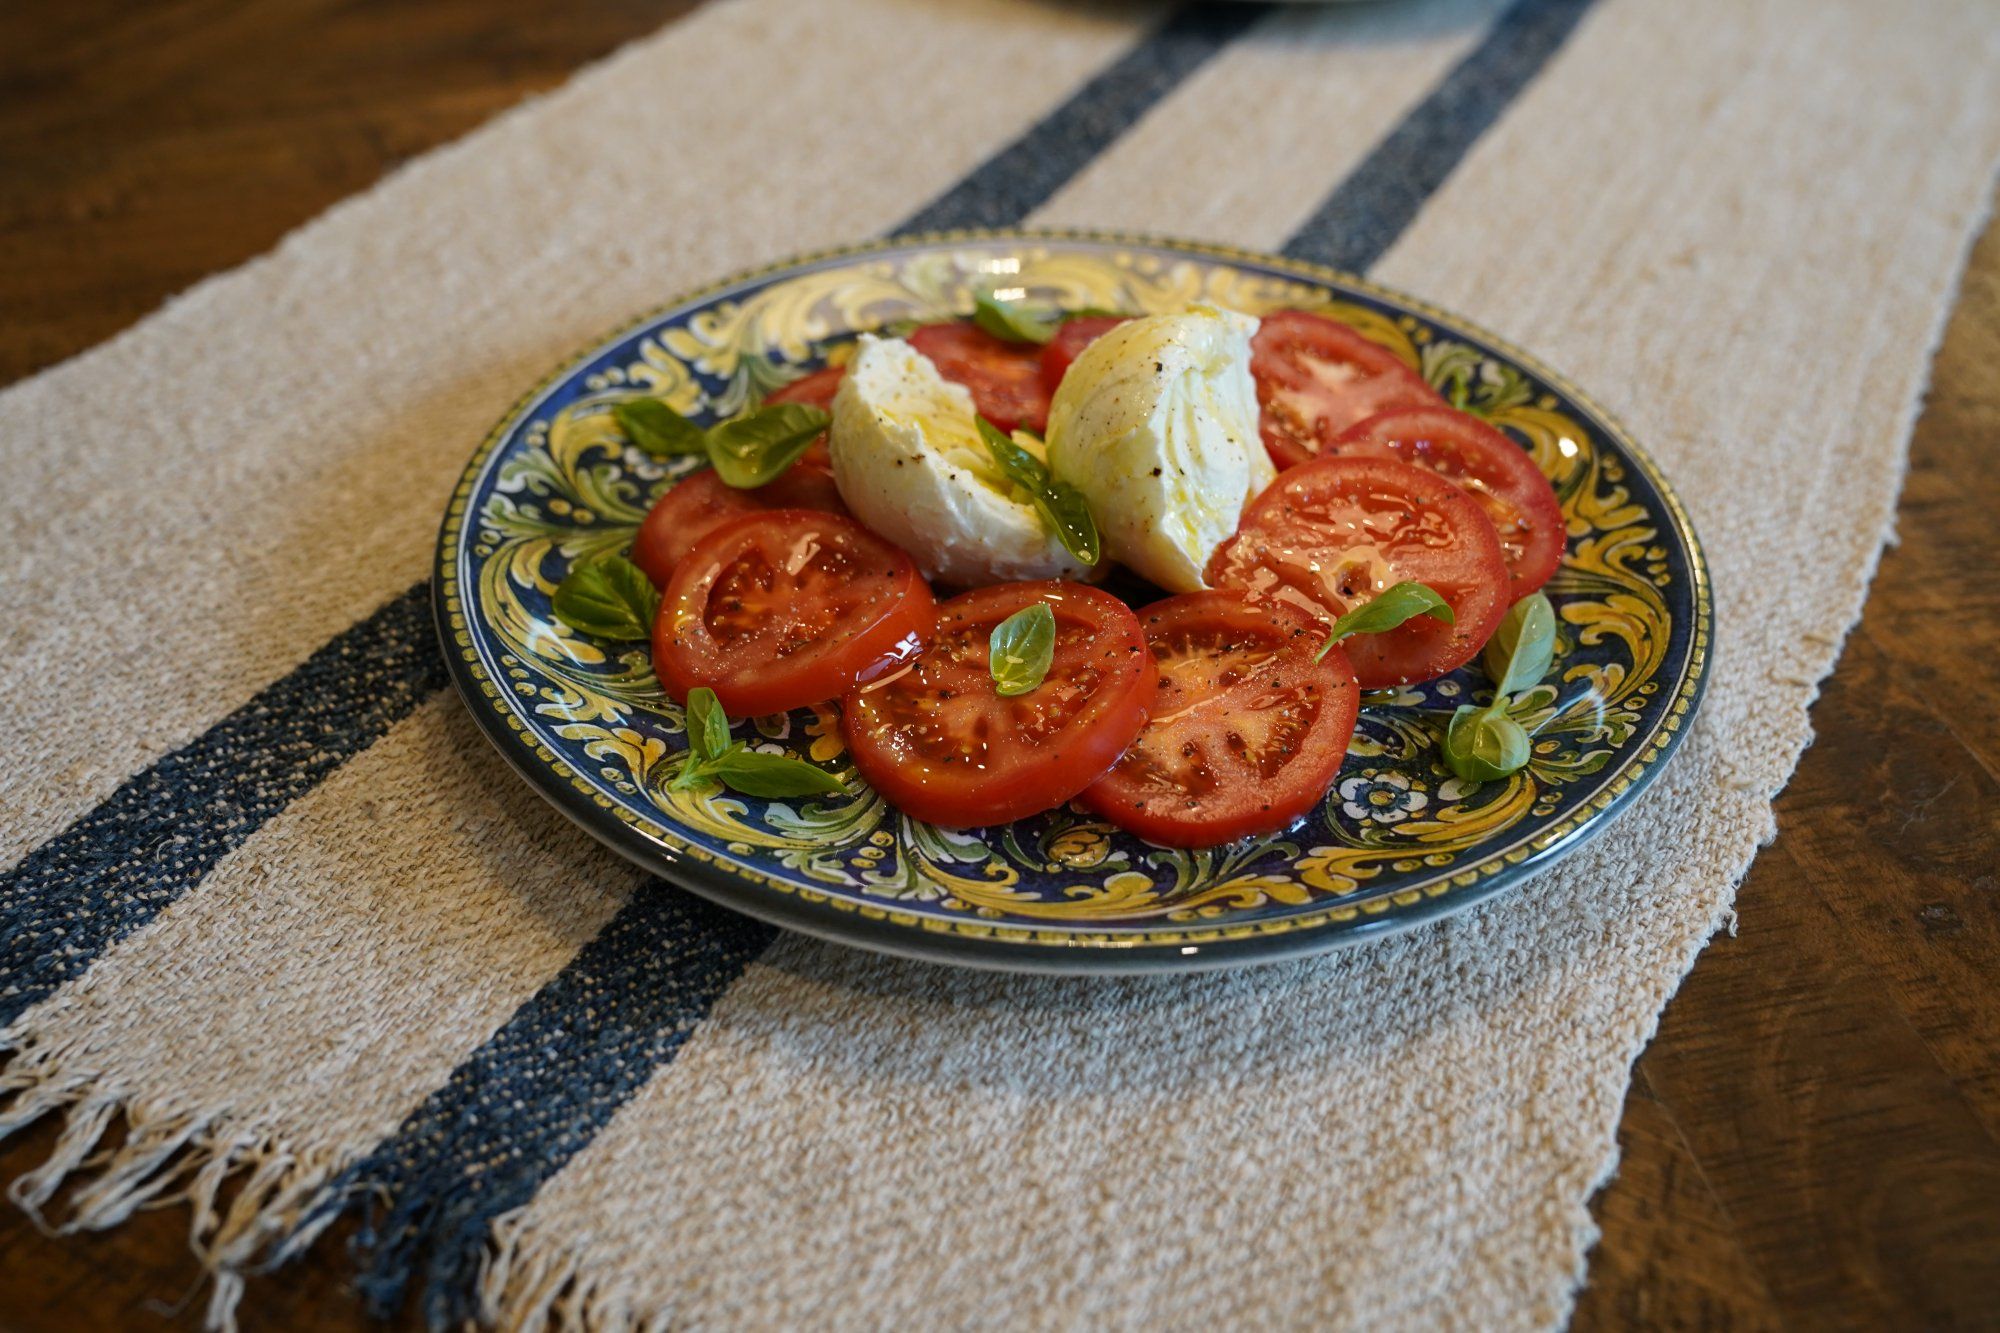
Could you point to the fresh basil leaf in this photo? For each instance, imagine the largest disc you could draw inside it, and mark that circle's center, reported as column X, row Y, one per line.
column 658, row 429
column 757, row 446
column 707, row 724
column 1022, row 468
column 1094, row 312
column 1021, row 648
column 902, row 328
column 1060, row 504
column 1011, row 321
column 1385, row 611
column 755, row 773
column 1521, row 650
column 1063, row 508
column 609, row 598
column 1483, row 744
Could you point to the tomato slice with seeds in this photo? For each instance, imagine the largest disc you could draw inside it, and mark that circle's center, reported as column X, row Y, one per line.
column 943, row 745
column 699, row 504
column 787, row 608
column 1316, row 377
column 1484, row 463
column 1005, row 378
column 814, row 390
column 1068, row 344
column 1248, row 731
column 1332, row 534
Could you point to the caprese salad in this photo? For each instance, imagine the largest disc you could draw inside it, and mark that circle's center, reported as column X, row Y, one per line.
column 1149, row 564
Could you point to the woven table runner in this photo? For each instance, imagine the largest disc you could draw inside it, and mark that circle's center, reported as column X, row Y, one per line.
column 271, row 902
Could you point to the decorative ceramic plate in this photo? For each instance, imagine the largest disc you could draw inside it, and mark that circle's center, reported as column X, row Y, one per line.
column 1397, row 840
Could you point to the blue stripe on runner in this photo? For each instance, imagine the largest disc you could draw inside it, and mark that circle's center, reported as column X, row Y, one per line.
column 536, row 1092
column 432, row 1166
column 163, row 830
column 1021, row 177
column 1365, row 213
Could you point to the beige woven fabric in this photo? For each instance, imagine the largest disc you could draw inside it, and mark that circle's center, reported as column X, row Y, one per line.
column 1737, row 226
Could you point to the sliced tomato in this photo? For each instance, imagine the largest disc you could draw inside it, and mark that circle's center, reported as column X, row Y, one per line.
column 943, row 745
column 787, row 608
column 1248, row 730
column 1316, row 377
column 1005, row 378
column 814, row 390
column 1484, row 463
column 697, row 505
column 1330, row 535
column 1068, row 344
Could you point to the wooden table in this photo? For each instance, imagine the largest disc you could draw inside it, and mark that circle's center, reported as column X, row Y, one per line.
column 1812, row 1140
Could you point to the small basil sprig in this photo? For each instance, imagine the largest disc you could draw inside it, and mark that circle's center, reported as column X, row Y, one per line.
column 658, row 429
column 609, row 598
column 1021, row 648
column 1482, row 744
column 1060, row 504
column 757, row 446
column 1388, row 609
column 747, row 451
column 1521, row 650
column 1013, row 321
column 713, row 757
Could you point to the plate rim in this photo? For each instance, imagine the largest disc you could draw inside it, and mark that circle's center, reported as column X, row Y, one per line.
column 1050, row 949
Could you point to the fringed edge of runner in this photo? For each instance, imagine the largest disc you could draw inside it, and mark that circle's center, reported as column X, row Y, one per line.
column 534, row 1280
column 248, row 1188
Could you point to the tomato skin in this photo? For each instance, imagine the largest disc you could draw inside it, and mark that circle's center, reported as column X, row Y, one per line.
column 814, row 390
column 1316, row 377
column 1248, row 731
column 1331, row 534
column 698, row 504
column 1005, row 378
column 1061, row 351
column 785, row 608
column 942, row 745
column 1484, row 463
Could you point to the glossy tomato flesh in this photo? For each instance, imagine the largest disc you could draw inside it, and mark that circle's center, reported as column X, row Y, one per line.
column 1485, row 464
column 1062, row 350
column 942, row 744
column 1316, row 377
column 786, row 608
column 1247, row 731
column 1005, row 378
column 699, row 504
column 1330, row 535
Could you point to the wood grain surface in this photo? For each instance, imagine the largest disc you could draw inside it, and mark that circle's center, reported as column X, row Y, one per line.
column 1812, row 1140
